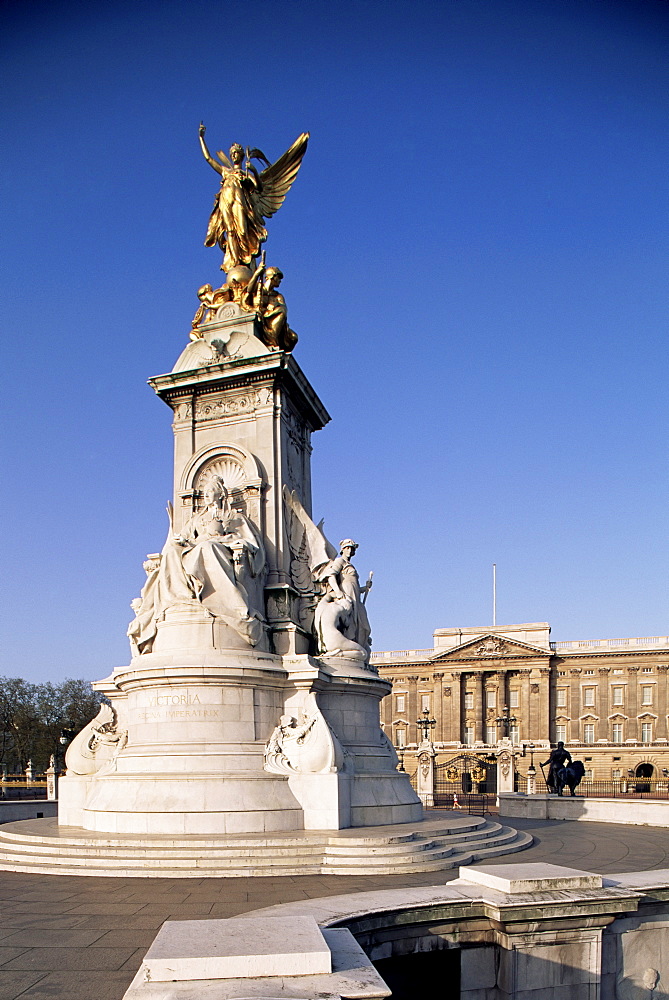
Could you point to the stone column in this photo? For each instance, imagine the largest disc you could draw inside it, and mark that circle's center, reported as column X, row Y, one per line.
column 526, row 702
column 425, row 774
column 535, row 705
column 479, row 707
column 465, row 681
column 491, row 683
column 632, row 706
column 575, row 706
column 452, row 705
column 602, row 732
column 438, row 706
column 412, row 708
column 544, row 702
column 662, row 702
column 503, row 692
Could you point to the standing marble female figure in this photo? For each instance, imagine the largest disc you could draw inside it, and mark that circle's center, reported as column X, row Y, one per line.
column 216, row 561
column 341, row 619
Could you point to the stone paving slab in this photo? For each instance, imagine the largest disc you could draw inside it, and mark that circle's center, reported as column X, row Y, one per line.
column 80, row 938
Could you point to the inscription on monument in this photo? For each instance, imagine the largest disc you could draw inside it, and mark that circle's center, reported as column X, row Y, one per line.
column 177, row 704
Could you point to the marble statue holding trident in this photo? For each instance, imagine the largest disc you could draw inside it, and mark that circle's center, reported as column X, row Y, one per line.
column 329, row 581
column 246, row 197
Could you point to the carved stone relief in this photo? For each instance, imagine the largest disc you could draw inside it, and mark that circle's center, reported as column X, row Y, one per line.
column 96, row 747
column 304, row 744
column 214, row 407
column 490, row 647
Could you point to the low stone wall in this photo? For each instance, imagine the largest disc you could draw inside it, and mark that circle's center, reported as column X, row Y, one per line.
column 637, row 812
column 514, row 932
column 26, row 809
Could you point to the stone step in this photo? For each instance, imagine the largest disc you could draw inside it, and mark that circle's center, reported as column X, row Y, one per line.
column 491, row 827
column 147, row 853
column 117, row 852
column 510, row 846
column 454, row 860
column 498, row 842
column 434, row 847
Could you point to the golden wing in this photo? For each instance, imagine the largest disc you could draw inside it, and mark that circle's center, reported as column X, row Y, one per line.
column 276, row 180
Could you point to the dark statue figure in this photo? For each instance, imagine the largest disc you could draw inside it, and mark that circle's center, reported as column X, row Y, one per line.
column 557, row 760
column 569, row 777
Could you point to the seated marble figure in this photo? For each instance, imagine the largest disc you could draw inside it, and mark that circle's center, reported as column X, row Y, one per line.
column 217, row 562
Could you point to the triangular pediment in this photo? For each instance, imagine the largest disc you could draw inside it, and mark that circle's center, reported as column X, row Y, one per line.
column 491, row 647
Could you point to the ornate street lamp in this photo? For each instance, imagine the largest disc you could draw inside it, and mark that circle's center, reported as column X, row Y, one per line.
column 65, row 738
column 425, row 724
column 506, row 720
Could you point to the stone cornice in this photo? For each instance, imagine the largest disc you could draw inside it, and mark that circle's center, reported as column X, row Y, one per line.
column 240, row 373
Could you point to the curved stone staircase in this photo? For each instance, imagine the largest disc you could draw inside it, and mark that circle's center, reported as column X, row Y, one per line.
column 41, row 846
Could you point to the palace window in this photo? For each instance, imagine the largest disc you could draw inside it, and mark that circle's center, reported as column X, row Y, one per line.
column 589, row 733
column 647, row 670
column 618, row 696
column 561, row 734
column 616, row 774
column 469, row 699
column 514, row 699
column 514, row 733
column 589, row 774
column 617, row 732
column 589, row 697
column 647, row 695
column 424, row 702
column 400, row 736
column 561, row 697
column 491, row 697
column 618, row 670
column 646, row 732
column 588, row 672
column 491, row 735
column 400, row 703
column 469, row 736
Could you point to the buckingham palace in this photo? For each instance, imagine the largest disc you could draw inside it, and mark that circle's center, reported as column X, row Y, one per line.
column 606, row 699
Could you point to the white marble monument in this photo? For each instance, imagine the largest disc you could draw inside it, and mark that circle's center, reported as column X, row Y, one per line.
column 249, row 704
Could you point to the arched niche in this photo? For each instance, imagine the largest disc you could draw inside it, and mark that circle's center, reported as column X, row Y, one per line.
column 240, row 471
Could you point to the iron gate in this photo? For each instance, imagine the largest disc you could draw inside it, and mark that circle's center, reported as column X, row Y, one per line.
column 466, row 774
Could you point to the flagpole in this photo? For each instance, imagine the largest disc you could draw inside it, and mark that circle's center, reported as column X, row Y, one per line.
column 494, row 594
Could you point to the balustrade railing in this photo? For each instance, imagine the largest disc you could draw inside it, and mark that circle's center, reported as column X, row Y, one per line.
column 18, row 787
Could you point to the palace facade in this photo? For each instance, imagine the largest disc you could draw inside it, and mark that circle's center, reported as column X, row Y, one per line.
column 607, row 699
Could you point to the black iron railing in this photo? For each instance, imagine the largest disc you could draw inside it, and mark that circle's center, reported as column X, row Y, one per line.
column 630, row 788
column 635, row 788
column 474, row 804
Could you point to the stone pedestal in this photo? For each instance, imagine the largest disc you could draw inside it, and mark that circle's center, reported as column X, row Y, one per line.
column 51, row 784
column 211, row 731
column 506, row 765
column 425, row 773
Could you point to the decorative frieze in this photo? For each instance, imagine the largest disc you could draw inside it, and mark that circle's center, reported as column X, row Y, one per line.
column 217, row 407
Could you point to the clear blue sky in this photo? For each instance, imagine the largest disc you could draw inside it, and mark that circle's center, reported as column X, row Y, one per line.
column 475, row 258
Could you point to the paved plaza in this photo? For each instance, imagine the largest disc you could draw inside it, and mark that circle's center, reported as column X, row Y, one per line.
column 79, row 938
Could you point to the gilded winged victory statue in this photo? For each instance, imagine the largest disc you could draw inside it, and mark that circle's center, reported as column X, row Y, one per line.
column 246, row 198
